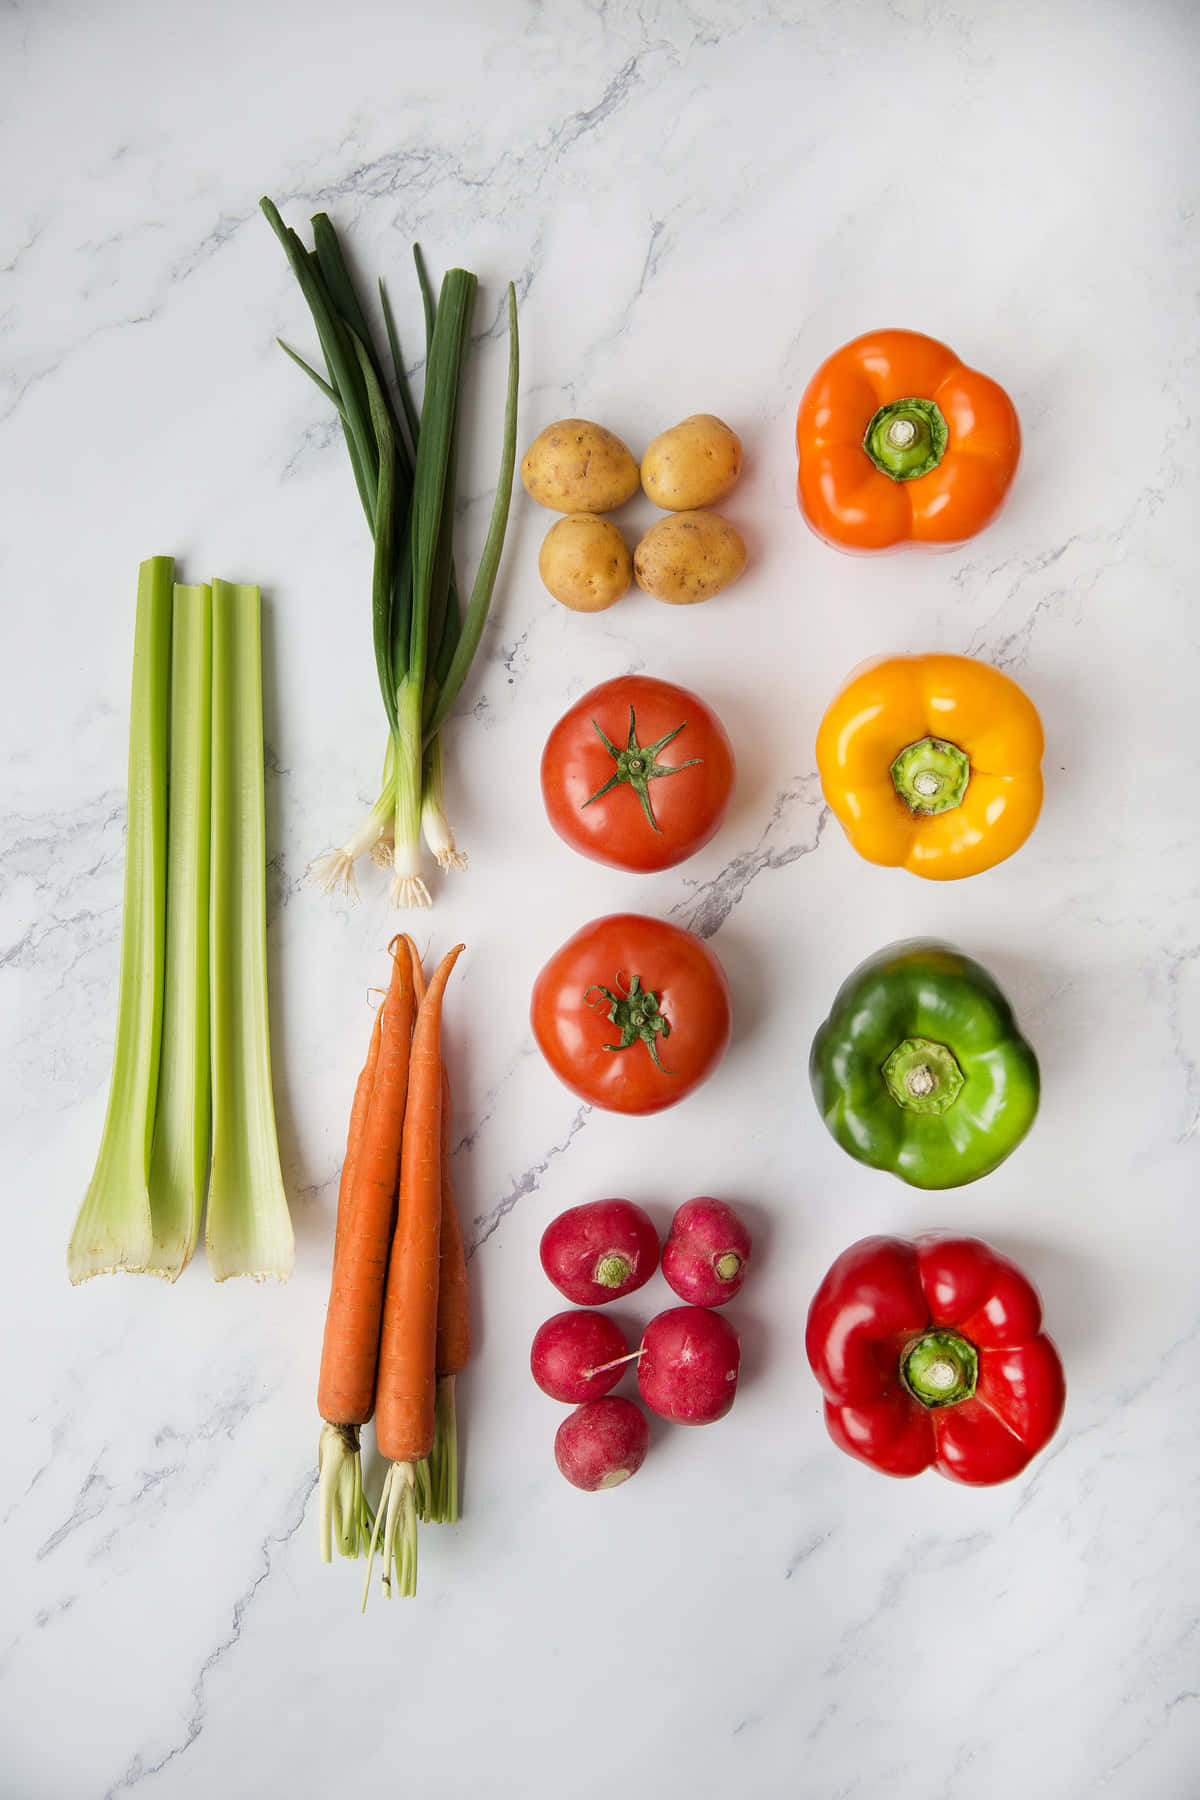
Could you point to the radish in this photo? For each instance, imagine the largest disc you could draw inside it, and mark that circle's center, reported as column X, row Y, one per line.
column 707, row 1252
column 688, row 1365
column 602, row 1443
column 578, row 1356
column 600, row 1251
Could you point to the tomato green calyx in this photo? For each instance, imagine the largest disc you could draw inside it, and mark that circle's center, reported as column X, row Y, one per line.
column 907, row 438
column 635, row 1013
column 638, row 765
column 923, row 1077
column 940, row 1368
column 931, row 776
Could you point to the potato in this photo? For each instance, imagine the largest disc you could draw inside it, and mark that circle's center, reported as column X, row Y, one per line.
column 688, row 556
column 577, row 467
column 694, row 464
column 585, row 562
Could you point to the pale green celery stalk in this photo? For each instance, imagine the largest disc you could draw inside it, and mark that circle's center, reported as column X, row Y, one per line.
column 112, row 1230
column 249, row 1231
column 179, row 1162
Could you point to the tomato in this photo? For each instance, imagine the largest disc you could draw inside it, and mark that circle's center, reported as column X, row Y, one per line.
column 637, row 774
column 631, row 1013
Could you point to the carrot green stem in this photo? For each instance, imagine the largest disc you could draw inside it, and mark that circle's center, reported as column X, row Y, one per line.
column 439, row 1503
column 345, row 1520
column 395, row 1532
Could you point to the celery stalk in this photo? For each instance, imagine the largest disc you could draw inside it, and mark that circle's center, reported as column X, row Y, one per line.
column 112, row 1230
column 249, row 1231
column 179, row 1162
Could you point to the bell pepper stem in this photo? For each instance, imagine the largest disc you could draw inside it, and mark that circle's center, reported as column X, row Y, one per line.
column 922, row 1076
column 907, row 438
column 931, row 776
column 940, row 1368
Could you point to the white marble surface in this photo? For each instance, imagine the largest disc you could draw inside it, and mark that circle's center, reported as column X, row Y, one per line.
column 697, row 202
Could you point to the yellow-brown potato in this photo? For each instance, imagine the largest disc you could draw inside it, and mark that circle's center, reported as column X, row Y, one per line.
column 688, row 556
column 585, row 562
column 694, row 464
column 575, row 466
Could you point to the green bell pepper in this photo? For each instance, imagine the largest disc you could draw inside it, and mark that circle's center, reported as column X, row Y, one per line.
column 920, row 1068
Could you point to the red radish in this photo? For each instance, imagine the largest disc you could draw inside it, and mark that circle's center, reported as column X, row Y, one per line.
column 688, row 1366
column 602, row 1443
column 578, row 1356
column 600, row 1251
column 707, row 1252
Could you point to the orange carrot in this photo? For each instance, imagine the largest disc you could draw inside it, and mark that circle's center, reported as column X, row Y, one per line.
column 346, row 1392
column 358, row 1118
column 418, row 971
column 437, row 1486
column 454, row 1309
column 406, row 1382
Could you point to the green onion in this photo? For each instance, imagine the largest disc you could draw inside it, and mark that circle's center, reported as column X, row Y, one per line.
column 113, row 1229
column 179, row 1163
column 422, row 647
column 248, row 1229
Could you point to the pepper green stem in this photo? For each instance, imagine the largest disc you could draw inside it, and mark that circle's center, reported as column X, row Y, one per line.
column 931, row 776
column 923, row 1077
column 940, row 1368
column 907, row 438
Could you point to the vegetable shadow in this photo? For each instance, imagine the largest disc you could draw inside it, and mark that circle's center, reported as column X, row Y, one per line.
column 311, row 1219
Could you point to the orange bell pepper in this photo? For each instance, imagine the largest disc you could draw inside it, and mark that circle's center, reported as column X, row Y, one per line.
column 932, row 764
column 902, row 446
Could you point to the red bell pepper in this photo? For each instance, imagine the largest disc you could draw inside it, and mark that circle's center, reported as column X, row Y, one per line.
column 931, row 1353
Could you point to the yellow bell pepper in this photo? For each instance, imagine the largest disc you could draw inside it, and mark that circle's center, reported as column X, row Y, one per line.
column 932, row 764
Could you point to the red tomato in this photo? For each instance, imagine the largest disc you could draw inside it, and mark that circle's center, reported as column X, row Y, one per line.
column 632, row 1013
column 637, row 774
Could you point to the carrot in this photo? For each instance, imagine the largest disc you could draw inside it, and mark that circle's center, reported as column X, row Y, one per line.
column 406, row 1384
column 454, row 1310
column 418, row 972
column 350, row 1350
column 440, row 1493
column 358, row 1117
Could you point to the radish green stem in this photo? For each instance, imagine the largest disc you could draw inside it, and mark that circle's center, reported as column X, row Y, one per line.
column 248, row 1229
column 113, row 1228
column 179, row 1161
